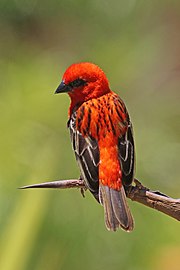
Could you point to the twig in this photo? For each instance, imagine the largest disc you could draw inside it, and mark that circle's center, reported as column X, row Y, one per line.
column 138, row 193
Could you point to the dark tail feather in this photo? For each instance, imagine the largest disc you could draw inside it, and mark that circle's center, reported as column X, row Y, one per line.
column 116, row 210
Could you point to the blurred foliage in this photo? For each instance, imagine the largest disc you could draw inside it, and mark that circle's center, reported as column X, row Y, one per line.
column 137, row 44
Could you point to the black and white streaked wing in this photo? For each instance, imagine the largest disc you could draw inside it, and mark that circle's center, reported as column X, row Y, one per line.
column 127, row 156
column 87, row 155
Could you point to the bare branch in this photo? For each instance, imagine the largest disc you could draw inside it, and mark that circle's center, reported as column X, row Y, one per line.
column 138, row 193
column 155, row 200
column 60, row 184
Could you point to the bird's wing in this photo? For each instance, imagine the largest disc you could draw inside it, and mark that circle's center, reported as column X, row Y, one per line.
column 127, row 155
column 87, row 155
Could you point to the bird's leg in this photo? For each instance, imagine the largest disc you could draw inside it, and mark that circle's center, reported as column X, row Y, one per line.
column 139, row 184
column 82, row 189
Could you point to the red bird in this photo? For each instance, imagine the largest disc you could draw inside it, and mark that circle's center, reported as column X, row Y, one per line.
column 102, row 139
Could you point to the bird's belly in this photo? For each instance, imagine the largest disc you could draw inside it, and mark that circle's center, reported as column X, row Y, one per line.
column 109, row 168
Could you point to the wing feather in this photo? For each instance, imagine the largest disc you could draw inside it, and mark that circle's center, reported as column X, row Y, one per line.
column 87, row 155
column 127, row 155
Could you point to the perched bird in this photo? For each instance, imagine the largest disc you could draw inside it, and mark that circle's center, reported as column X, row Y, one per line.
column 102, row 139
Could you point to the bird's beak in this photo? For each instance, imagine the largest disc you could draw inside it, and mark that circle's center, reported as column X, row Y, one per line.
column 62, row 88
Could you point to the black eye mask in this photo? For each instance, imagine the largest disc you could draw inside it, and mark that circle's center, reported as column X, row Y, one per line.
column 64, row 88
column 77, row 83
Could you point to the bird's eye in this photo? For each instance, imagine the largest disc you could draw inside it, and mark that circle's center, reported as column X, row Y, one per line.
column 77, row 83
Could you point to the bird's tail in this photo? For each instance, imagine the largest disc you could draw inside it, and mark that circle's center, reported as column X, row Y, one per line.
column 116, row 210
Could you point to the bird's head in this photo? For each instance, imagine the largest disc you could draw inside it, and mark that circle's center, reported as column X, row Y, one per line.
column 83, row 81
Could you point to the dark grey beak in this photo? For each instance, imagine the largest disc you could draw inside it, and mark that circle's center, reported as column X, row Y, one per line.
column 62, row 88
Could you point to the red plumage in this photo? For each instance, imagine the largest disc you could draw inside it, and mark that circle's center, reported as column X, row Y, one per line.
column 101, row 135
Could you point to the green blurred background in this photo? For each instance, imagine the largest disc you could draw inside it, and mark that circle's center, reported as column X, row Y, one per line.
column 137, row 43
